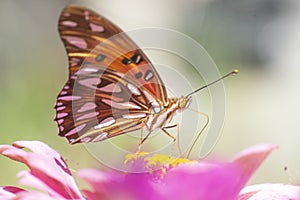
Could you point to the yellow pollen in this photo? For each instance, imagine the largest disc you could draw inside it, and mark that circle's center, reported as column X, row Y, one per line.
column 156, row 162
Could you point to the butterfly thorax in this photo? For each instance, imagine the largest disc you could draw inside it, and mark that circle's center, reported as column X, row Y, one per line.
column 160, row 117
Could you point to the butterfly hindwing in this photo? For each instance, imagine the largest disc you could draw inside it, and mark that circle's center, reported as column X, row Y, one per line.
column 99, row 105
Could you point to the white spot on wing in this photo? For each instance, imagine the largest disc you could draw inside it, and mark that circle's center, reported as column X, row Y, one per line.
column 150, row 97
column 155, row 105
column 61, row 115
column 149, row 75
column 60, row 108
column 69, row 23
column 111, row 88
column 63, row 92
column 88, row 115
column 90, row 70
column 96, row 28
column 138, row 59
column 87, row 106
column 69, row 98
column 75, row 130
column 133, row 89
column 86, row 71
column 106, row 122
column 134, row 116
column 121, row 105
column 100, row 137
column 85, row 139
column 90, row 82
column 76, row 41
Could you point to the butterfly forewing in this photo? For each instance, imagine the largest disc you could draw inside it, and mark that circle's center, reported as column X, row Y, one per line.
column 110, row 79
column 106, row 47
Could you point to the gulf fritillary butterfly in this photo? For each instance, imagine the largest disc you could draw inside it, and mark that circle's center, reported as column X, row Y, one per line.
column 112, row 89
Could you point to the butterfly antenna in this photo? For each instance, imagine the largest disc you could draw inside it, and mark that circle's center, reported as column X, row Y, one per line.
column 235, row 71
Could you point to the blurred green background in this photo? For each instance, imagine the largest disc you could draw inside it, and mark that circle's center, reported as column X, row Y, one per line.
column 261, row 38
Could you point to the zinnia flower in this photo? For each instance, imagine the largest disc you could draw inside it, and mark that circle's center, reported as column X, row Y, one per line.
column 166, row 178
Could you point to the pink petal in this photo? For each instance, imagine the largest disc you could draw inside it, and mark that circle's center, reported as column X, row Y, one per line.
column 250, row 159
column 9, row 192
column 48, row 170
column 13, row 153
column 26, row 178
column 33, row 195
column 203, row 180
column 198, row 181
column 115, row 185
column 192, row 181
column 270, row 191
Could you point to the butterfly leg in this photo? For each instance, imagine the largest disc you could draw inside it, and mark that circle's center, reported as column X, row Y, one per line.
column 167, row 133
column 173, row 137
column 142, row 140
column 145, row 138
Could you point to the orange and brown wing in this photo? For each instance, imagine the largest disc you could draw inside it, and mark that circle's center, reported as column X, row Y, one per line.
column 110, row 80
column 89, row 37
column 93, row 107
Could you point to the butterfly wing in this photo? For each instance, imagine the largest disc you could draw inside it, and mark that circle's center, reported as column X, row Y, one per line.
column 93, row 107
column 82, row 30
column 111, row 82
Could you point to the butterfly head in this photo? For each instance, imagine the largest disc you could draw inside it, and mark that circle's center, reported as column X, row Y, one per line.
column 184, row 102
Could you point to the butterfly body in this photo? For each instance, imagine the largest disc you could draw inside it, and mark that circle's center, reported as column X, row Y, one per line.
column 159, row 119
column 113, row 88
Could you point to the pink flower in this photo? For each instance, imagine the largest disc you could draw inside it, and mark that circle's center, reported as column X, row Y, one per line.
column 270, row 191
column 48, row 172
column 173, row 179
column 9, row 192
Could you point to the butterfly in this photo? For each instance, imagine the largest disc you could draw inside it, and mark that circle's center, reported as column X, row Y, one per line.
column 113, row 88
